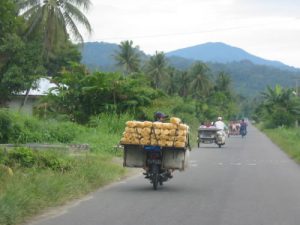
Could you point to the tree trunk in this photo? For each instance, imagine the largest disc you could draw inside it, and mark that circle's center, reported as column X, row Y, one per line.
column 25, row 99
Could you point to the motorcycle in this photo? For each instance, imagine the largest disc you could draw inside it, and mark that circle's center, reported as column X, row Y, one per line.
column 243, row 132
column 211, row 135
column 155, row 173
column 157, row 161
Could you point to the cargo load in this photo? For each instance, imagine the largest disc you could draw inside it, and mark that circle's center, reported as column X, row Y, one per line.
column 173, row 134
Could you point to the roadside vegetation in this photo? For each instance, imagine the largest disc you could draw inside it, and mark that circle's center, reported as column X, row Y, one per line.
column 278, row 112
column 288, row 139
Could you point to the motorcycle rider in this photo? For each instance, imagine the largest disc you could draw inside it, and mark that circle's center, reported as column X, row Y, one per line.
column 220, row 124
column 159, row 117
column 243, row 127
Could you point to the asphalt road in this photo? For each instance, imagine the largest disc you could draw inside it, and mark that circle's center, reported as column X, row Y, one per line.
column 249, row 181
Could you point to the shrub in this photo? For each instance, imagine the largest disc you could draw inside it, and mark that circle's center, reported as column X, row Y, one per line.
column 5, row 126
column 22, row 156
column 27, row 158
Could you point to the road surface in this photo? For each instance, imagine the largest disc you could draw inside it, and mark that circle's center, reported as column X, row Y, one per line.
column 249, row 181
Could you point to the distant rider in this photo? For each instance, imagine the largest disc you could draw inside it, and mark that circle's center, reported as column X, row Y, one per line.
column 220, row 124
column 243, row 127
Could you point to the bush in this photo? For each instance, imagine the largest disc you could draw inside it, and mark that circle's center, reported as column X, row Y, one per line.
column 5, row 126
column 27, row 158
column 18, row 128
column 22, row 156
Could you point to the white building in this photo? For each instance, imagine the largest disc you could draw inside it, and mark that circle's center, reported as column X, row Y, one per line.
column 34, row 94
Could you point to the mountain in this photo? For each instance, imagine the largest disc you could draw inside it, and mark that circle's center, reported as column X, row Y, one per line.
column 219, row 52
column 249, row 74
column 99, row 55
column 250, row 79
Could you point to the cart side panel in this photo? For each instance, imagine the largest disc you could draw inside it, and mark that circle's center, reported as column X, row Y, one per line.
column 175, row 159
column 134, row 156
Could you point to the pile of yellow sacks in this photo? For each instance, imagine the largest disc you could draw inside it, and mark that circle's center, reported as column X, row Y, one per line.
column 173, row 134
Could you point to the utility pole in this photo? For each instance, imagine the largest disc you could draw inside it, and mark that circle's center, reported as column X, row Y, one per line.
column 297, row 96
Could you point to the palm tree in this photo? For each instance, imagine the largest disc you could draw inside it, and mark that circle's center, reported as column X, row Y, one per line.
column 200, row 84
column 55, row 20
column 128, row 57
column 157, row 68
column 183, row 83
column 281, row 105
column 223, row 82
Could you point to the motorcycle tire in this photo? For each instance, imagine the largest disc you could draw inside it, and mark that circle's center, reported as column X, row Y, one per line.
column 155, row 181
column 155, row 176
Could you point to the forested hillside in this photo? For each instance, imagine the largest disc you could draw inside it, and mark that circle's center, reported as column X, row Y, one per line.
column 248, row 78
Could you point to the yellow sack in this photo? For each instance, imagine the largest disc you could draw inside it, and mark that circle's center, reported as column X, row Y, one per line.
column 179, row 144
column 129, row 130
column 183, row 127
column 172, row 132
column 175, row 120
column 157, row 131
column 147, row 124
column 181, row 133
column 146, row 131
column 165, row 132
column 145, row 141
column 130, row 124
column 153, row 141
column 181, row 138
column 157, row 125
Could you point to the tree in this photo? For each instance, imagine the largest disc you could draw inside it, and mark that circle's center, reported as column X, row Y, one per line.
column 183, row 81
column 200, row 84
column 128, row 57
column 55, row 20
column 281, row 106
column 223, row 82
column 157, row 68
column 20, row 62
column 64, row 58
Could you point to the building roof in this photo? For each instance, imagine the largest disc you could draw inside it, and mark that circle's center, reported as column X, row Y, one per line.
column 43, row 86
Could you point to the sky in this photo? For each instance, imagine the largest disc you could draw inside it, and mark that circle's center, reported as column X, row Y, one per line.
column 266, row 28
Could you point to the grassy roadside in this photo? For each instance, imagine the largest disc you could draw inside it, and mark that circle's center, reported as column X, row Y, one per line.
column 31, row 189
column 43, row 179
column 288, row 139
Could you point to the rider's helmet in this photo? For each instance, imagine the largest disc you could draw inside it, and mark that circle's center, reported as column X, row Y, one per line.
column 159, row 115
column 219, row 118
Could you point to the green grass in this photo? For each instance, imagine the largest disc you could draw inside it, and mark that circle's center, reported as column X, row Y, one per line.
column 288, row 139
column 30, row 190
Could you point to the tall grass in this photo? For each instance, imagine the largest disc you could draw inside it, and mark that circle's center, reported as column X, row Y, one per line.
column 21, row 128
column 104, row 133
column 288, row 139
column 31, row 189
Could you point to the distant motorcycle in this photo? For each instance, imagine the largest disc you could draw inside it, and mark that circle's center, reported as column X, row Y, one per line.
column 211, row 135
column 243, row 132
